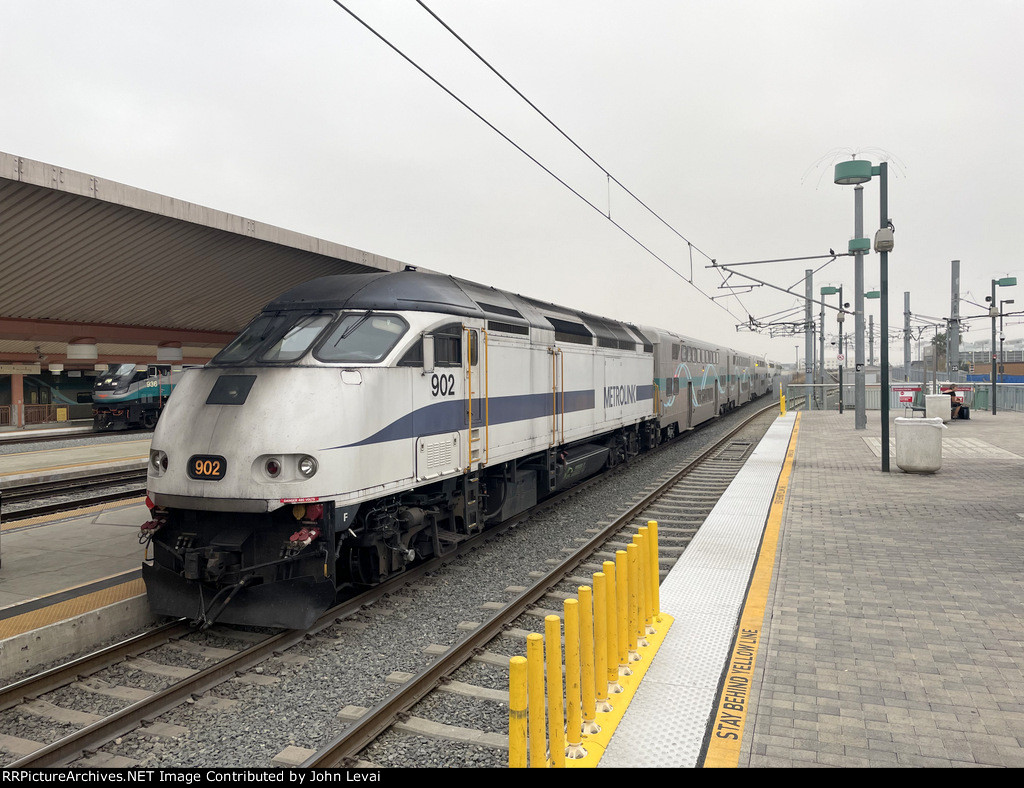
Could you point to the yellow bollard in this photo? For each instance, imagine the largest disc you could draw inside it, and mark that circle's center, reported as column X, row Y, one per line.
column 633, row 588
column 517, row 696
column 587, row 700
column 622, row 611
column 535, row 700
column 782, row 404
column 601, row 642
column 556, row 716
column 650, row 579
column 573, row 691
column 652, row 526
column 612, row 612
column 643, row 587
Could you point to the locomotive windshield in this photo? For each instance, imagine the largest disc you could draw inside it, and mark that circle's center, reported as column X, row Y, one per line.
column 366, row 337
column 276, row 337
column 117, row 376
column 297, row 339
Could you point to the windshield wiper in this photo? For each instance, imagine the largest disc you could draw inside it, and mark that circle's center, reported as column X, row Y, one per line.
column 353, row 327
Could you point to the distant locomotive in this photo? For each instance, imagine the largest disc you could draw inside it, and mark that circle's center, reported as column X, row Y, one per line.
column 127, row 395
column 362, row 423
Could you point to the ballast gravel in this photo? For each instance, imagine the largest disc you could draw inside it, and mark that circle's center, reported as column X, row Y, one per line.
column 348, row 664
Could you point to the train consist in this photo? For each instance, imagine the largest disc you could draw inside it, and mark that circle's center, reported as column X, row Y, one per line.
column 362, row 423
column 128, row 396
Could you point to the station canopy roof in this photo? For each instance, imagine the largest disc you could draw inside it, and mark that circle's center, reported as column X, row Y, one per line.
column 83, row 258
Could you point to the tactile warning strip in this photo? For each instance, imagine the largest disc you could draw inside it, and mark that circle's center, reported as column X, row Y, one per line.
column 667, row 721
column 55, row 517
column 69, row 607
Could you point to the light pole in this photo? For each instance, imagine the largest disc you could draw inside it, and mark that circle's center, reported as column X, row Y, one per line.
column 993, row 310
column 853, row 173
column 1002, row 362
column 871, row 344
column 841, row 359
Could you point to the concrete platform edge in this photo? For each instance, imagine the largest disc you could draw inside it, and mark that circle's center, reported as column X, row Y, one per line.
column 54, row 642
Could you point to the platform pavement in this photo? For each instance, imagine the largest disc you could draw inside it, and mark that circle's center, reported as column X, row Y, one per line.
column 42, row 465
column 40, row 561
column 889, row 632
column 895, row 632
column 71, row 428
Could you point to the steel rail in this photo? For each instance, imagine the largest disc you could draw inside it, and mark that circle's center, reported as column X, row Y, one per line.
column 343, row 749
column 62, row 675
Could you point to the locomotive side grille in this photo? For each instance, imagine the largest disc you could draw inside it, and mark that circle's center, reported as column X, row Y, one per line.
column 508, row 328
column 439, row 455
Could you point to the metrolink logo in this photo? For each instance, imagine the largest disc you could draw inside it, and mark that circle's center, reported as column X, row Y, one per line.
column 616, row 396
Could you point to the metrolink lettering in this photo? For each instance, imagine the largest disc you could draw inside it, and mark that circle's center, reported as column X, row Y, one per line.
column 614, row 396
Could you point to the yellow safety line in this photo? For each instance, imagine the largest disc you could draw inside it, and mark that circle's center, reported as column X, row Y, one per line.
column 70, row 515
column 731, row 715
column 26, row 622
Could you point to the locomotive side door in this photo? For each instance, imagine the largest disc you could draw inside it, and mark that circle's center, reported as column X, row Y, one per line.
column 439, row 405
column 474, row 356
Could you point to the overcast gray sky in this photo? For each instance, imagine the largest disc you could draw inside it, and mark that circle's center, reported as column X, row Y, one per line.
column 725, row 117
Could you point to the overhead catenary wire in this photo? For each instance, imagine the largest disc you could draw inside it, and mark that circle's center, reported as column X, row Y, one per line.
column 690, row 245
column 533, row 159
column 557, row 128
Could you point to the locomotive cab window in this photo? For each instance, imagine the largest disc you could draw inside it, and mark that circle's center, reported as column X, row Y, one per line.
column 447, row 348
column 295, row 341
column 362, row 338
column 264, row 326
column 448, row 345
column 276, row 336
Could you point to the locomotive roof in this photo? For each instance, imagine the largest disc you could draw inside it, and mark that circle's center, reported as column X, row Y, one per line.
column 419, row 291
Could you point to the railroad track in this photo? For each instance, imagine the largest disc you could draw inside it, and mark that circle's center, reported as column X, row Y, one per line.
column 23, row 501
column 680, row 503
column 14, row 440
column 246, row 669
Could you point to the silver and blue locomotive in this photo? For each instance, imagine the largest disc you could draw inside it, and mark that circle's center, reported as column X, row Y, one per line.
column 362, row 423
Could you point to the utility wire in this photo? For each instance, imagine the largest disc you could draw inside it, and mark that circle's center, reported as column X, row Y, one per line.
column 555, row 126
column 576, row 145
column 511, row 142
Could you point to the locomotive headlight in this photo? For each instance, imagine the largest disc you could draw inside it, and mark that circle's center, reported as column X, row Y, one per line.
column 307, row 466
column 158, row 461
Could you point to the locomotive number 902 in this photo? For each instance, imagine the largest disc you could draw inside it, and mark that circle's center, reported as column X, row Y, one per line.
column 207, row 467
column 442, row 385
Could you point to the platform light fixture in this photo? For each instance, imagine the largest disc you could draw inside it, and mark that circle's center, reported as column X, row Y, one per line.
column 855, row 173
column 995, row 308
column 1001, row 336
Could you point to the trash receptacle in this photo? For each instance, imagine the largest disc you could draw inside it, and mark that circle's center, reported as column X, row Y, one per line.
column 938, row 406
column 919, row 444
